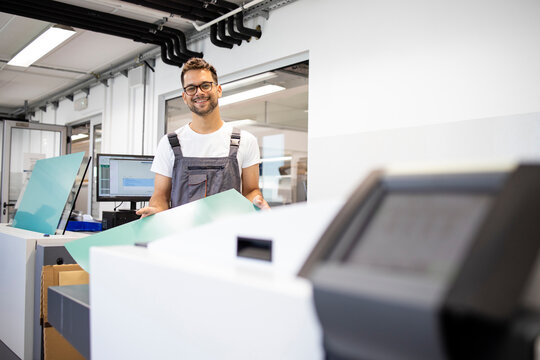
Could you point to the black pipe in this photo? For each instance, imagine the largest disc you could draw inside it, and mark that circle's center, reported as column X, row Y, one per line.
column 84, row 17
column 15, row 7
column 44, row 13
column 182, row 42
column 225, row 6
column 177, row 50
column 233, row 33
column 239, row 20
column 208, row 8
column 178, row 37
column 190, row 14
column 166, row 60
column 171, row 46
column 126, row 24
column 215, row 40
column 224, row 37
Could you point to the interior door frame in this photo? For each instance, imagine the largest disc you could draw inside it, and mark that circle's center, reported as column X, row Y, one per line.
column 8, row 126
column 93, row 121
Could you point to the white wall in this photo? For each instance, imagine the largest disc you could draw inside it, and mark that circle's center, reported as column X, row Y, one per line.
column 391, row 81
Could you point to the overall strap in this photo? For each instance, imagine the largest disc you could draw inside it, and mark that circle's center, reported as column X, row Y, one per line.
column 175, row 144
column 235, row 143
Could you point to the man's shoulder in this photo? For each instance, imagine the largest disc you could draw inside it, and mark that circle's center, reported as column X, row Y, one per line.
column 247, row 136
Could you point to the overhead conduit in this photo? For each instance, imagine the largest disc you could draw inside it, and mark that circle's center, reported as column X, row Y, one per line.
column 186, row 12
column 68, row 15
column 234, row 33
column 214, row 10
column 224, row 37
column 172, row 42
column 214, row 39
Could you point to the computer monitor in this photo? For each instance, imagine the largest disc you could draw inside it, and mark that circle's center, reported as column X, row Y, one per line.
column 124, row 178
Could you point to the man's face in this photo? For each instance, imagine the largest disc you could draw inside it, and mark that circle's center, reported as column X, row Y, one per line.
column 201, row 103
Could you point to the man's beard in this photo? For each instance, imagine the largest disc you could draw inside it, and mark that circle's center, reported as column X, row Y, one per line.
column 212, row 104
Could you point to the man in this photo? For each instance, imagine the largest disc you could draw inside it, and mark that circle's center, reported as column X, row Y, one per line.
column 207, row 155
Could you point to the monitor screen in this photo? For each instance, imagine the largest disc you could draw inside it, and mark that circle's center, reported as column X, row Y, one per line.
column 424, row 233
column 124, row 177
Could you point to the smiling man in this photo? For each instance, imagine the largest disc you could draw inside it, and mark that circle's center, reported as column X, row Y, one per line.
column 206, row 156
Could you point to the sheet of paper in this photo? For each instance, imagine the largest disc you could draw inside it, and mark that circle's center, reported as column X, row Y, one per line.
column 46, row 193
column 220, row 206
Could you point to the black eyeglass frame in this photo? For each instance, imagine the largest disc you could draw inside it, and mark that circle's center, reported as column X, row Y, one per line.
column 195, row 87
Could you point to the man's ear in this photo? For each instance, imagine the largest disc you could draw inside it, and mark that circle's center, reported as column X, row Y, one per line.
column 184, row 97
column 219, row 91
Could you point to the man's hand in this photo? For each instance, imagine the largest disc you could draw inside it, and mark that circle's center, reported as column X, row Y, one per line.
column 259, row 201
column 147, row 211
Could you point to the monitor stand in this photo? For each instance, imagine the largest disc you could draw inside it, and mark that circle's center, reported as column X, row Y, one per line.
column 115, row 218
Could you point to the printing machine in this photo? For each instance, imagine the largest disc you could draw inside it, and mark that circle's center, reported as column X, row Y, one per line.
column 417, row 266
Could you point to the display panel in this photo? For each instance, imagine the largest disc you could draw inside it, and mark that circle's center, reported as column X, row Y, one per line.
column 422, row 233
column 124, row 177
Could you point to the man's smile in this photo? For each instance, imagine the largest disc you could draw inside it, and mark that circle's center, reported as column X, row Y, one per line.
column 200, row 100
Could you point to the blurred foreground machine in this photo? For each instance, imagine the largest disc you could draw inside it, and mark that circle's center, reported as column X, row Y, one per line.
column 429, row 266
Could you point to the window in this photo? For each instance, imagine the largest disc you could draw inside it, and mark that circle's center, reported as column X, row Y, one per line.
column 273, row 106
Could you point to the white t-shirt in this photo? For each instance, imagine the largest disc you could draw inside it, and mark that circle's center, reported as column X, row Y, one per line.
column 215, row 144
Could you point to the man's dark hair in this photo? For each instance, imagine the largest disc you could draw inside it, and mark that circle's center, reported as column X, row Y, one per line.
column 198, row 64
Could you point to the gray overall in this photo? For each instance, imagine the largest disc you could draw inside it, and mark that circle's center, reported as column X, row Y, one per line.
column 194, row 178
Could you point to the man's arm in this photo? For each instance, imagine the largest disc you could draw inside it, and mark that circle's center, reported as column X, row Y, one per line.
column 250, row 186
column 160, row 198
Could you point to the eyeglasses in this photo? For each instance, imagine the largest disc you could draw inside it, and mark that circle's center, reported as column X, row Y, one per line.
column 205, row 87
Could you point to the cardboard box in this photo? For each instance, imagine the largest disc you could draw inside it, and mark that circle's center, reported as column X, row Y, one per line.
column 59, row 275
column 56, row 347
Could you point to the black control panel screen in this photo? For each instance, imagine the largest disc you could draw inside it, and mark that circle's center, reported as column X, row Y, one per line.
column 423, row 233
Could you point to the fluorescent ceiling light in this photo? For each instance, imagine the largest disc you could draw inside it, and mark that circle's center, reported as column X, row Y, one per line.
column 243, row 122
column 249, row 94
column 248, row 81
column 274, row 159
column 78, row 137
column 41, row 46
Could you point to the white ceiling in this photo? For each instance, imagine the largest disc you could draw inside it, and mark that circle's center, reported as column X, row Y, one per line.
column 75, row 61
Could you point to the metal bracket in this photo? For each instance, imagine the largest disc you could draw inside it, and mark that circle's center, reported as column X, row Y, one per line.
column 150, row 66
column 43, row 108
column 265, row 13
column 55, row 104
column 86, row 91
column 70, row 97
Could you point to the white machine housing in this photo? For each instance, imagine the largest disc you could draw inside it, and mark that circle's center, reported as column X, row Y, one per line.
column 191, row 296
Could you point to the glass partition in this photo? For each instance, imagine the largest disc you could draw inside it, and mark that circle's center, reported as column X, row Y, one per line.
column 23, row 144
column 28, row 146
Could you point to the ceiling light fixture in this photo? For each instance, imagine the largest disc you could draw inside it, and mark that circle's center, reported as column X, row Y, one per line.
column 244, row 122
column 249, row 94
column 78, row 137
column 41, row 46
column 274, row 159
column 248, row 81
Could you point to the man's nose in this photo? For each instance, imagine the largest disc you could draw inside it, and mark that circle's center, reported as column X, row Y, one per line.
column 197, row 90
